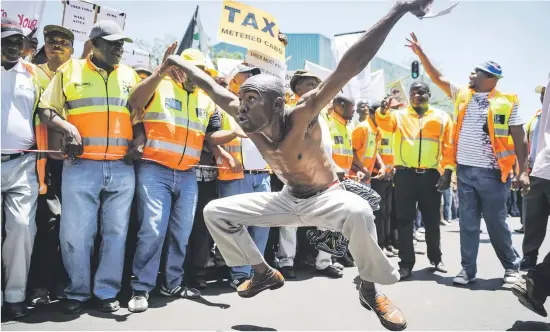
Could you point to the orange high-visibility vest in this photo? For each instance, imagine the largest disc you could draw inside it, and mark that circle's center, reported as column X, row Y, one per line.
column 342, row 153
column 98, row 108
column 175, row 124
column 40, row 131
column 500, row 109
column 225, row 173
column 370, row 136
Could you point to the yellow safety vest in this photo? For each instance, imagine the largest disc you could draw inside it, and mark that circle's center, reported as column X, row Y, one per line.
column 342, row 152
column 234, row 148
column 418, row 141
column 175, row 124
column 98, row 108
column 499, row 112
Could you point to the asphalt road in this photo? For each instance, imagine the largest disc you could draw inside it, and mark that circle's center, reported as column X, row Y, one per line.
column 429, row 300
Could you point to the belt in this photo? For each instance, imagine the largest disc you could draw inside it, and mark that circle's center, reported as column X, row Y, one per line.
column 416, row 170
column 8, row 157
column 256, row 171
column 332, row 184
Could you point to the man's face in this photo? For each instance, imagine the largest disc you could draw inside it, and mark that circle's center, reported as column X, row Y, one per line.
column 420, row 96
column 345, row 110
column 362, row 109
column 253, row 111
column 305, row 85
column 58, row 47
column 12, row 47
column 542, row 95
column 480, row 79
column 143, row 75
column 109, row 52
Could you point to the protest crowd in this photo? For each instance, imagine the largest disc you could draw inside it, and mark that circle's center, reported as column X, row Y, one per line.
column 119, row 180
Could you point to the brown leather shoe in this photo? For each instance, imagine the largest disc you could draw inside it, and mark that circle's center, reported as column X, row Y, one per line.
column 389, row 315
column 273, row 280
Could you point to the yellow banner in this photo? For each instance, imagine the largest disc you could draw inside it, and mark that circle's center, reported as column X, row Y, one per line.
column 251, row 28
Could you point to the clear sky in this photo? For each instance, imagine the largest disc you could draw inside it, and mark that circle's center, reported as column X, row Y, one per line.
column 515, row 34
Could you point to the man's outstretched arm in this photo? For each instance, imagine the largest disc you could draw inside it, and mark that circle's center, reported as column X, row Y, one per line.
column 221, row 97
column 360, row 54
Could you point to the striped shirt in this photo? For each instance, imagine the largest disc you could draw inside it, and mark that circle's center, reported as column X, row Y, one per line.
column 474, row 144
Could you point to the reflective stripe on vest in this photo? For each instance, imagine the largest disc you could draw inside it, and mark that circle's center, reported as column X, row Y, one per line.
column 175, row 124
column 98, row 108
column 234, row 148
column 500, row 109
column 342, row 152
column 417, row 141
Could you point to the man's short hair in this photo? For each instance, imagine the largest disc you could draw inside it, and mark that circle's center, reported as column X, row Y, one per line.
column 420, row 85
column 341, row 99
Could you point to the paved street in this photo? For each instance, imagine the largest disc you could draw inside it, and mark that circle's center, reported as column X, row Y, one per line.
column 429, row 300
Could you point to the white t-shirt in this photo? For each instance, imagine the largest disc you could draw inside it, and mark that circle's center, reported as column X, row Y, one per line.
column 252, row 158
column 474, row 145
column 18, row 99
column 541, row 169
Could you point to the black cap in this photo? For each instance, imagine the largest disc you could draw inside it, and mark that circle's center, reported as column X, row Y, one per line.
column 108, row 30
column 11, row 27
column 49, row 29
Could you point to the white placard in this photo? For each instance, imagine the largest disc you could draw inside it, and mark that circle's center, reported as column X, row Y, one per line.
column 431, row 14
column 267, row 65
column 320, row 71
column 27, row 13
column 106, row 13
column 79, row 18
column 135, row 57
column 357, row 87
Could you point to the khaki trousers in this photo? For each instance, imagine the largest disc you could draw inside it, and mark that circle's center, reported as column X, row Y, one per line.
column 334, row 209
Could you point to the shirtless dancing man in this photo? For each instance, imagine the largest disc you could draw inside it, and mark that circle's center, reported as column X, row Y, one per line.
column 290, row 142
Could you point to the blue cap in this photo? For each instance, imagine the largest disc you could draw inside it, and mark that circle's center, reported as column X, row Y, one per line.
column 491, row 67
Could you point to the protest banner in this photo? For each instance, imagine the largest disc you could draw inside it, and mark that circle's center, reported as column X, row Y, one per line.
column 320, row 71
column 251, row 28
column 266, row 64
column 397, row 90
column 106, row 13
column 377, row 86
column 27, row 13
column 288, row 77
column 79, row 17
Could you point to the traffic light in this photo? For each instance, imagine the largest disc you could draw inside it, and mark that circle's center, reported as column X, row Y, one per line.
column 415, row 69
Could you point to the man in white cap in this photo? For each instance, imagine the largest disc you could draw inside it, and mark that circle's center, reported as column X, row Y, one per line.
column 87, row 101
column 20, row 180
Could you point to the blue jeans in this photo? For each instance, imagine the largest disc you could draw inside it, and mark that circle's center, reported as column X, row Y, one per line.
column 92, row 189
column 480, row 190
column 250, row 184
column 167, row 200
column 447, row 204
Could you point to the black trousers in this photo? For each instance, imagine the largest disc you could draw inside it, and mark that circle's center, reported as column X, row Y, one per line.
column 200, row 241
column 536, row 210
column 412, row 188
column 383, row 215
column 541, row 278
column 47, row 269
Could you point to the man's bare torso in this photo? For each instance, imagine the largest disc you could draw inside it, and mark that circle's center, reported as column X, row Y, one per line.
column 299, row 159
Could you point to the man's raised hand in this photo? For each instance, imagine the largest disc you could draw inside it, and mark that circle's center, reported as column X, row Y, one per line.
column 414, row 45
column 418, row 8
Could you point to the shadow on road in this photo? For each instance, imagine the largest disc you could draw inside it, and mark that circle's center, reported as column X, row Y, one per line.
column 52, row 312
column 529, row 326
column 429, row 274
column 251, row 328
column 204, row 301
